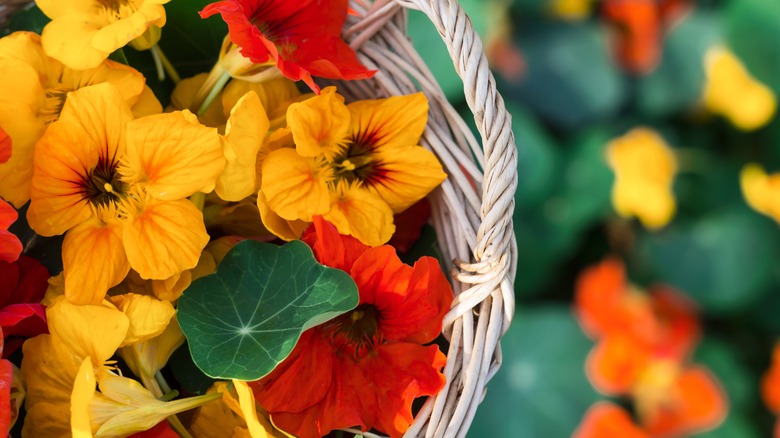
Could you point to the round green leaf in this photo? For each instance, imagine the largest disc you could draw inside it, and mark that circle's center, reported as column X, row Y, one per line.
column 245, row 319
column 541, row 390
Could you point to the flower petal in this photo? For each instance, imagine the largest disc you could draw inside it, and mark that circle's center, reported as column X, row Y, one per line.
column 411, row 300
column 5, row 146
column 320, row 125
column 86, row 330
column 331, row 248
column 148, row 316
column 117, row 34
column 172, row 154
column 10, row 246
column 277, row 225
column 83, row 393
column 362, row 214
column 615, row 364
column 607, row 420
column 244, row 135
column 68, row 39
column 93, row 260
column 164, row 239
column 294, row 186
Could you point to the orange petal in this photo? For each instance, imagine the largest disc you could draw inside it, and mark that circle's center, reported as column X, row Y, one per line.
column 599, row 291
column 173, row 155
column 361, row 213
column 699, row 404
column 164, row 239
column 320, row 125
column 605, row 420
column 770, row 383
column 148, row 316
column 10, row 246
column 93, row 260
column 678, row 328
column 615, row 364
column 280, row 227
column 294, row 186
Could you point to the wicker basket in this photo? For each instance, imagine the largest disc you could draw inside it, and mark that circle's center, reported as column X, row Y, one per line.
column 472, row 210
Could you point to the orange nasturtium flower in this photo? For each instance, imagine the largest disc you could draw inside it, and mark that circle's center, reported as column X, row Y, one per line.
column 118, row 186
column 33, row 88
column 366, row 367
column 301, row 38
column 83, row 33
column 606, row 420
column 63, row 369
column 733, row 93
column 643, row 345
column 10, row 246
column 355, row 165
column 761, row 191
column 644, row 167
column 770, row 387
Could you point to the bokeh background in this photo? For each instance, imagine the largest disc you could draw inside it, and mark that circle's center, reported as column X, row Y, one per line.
column 577, row 75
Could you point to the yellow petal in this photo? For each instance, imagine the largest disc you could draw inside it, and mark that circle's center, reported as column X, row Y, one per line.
column 83, row 393
column 56, row 8
column 761, row 191
column 148, row 357
column 391, row 122
column 184, row 95
column 275, row 95
column 247, row 401
column 147, row 104
column 644, row 167
column 117, row 34
column 148, row 316
column 362, row 214
column 214, row 419
column 731, row 91
column 244, row 134
column 164, row 239
column 94, row 260
column 172, row 287
column 68, row 39
column 280, row 227
column 87, row 331
column 295, row 187
column 172, row 154
column 405, row 174
column 320, row 125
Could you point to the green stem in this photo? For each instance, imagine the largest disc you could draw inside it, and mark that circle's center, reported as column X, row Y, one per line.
column 166, row 64
column 218, row 86
column 158, row 64
column 173, row 420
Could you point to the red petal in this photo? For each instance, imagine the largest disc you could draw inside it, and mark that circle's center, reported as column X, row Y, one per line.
column 10, row 246
column 605, row 420
column 411, row 301
column 770, row 383
column 698, row 404
column 637, row 36
column 678, row 326
column 401, row 372
column 6, row 376
column 409, row 225
column 34, row 280
column 5, row 146
column 161, row 430
column 331, row 248
column 615, row 363
column 301, row 380
column 26, row 320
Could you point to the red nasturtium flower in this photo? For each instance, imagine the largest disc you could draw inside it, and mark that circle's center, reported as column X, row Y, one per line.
column 644, row 341
column 10, row 246
column 24, row 283
column 302, row 38
column 608, row 420
column 366, row 367
column 770, row 387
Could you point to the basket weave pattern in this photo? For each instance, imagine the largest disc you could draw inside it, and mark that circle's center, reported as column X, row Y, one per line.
column 472, row 210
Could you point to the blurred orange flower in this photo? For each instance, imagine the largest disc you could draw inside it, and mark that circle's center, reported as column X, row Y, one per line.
column 770, row 387
column 644, row 341
column 606, row 420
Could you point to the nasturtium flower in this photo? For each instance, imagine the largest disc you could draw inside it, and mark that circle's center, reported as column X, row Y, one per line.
column 637, row 38
column 301, row 38
column 572, row 10
column 22, row 315
column 644, row 167
column 761, row 191
column 10, row 392
column 10, row 245
column 732, row 92
column 83, row 33
column 770, row 386
column 118, row 186
column 63, row 369
column 33, row 88
column 604, row 420
column 364, row 368
column 235, row 415
column 355, row 165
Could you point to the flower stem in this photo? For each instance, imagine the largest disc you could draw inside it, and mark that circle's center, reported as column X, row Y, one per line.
column 159, row 55
column 199, row 199
column 173, row 420
column 158, row 64
column 210, row 89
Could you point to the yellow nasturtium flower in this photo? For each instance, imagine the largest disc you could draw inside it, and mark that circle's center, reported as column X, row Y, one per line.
column 761, row 191
column 644, row 167
column 572, row 10
column 33, row 88
column 118, row 186
column 356, row 165
column 64, row 367
column 733, row 93
column 82, row 33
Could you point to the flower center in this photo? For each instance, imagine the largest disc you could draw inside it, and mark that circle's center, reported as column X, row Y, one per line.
column 103, row 185
column 118, row 9
column 354, row 164
column 359, row 326
column 53, row 102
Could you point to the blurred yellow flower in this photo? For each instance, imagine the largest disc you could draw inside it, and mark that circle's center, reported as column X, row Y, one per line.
column 761, row 191
column 33, row 88
column 572, row 10
column 118, row 186
column 733, row 93
column 82, row 33
column 644, row 167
